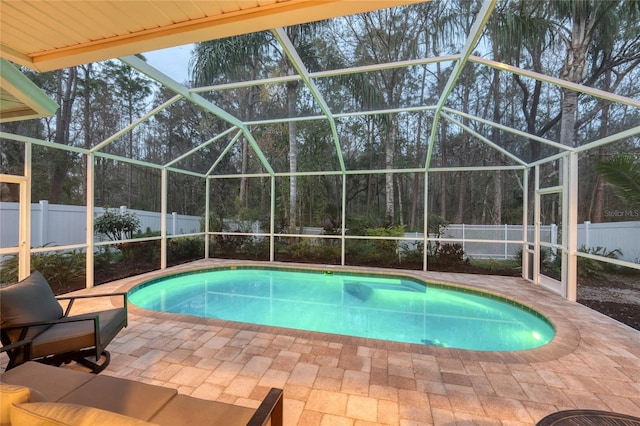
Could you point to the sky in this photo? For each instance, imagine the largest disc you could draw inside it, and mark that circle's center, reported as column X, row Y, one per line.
column 173, row 61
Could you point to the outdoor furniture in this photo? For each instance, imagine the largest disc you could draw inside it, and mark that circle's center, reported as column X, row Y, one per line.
column 33, row 326
column 42, row 394
column 588, row 418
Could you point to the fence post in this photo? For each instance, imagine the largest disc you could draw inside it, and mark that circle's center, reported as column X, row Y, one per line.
column 506, row 238
column 44, row 223
column 174, row 223
column 463, row 240
column 587, row 242
column 123, row 210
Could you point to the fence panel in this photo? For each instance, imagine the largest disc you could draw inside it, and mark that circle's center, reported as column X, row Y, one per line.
column 55, row 224
column 624, row 236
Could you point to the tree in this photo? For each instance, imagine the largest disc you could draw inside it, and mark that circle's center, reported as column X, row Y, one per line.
column 132, row 89
column 230, row 58
column 388, row 35
column 623, row 173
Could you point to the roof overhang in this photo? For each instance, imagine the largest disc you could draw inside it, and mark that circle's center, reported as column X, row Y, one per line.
column 45, row 35
column 20, row 98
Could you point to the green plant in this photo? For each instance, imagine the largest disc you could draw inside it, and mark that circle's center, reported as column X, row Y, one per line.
column 185, row 248
column 449, row 255
column 61, row 268
column 594, row 268
column 385, row 248
column 116, row 226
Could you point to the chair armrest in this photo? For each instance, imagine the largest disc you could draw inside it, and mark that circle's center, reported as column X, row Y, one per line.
column 13, row 351
column 269, row 411
column 51, row 322
column 89, row 296
column 16, row 345
column 72, row 299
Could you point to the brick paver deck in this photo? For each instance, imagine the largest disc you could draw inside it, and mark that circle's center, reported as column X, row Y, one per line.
column 593, row 363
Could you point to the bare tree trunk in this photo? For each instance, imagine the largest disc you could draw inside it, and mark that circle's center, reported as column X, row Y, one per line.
column 370, row 155
column 497, row 198
column 398, row 179
column 574, row 70
column 443, row 175
column 415, row 197
column 497, row 182
column 462, row 189
column 389, row 156
column 65, row 98
column 293, row 156
column 88, row 133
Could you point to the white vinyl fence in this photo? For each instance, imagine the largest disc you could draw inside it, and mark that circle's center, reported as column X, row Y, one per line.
column 58, row 225
column 54, row 224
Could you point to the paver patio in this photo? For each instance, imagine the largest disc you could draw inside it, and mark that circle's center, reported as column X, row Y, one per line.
column 594, row 362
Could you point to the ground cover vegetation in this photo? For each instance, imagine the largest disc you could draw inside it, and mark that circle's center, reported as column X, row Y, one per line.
column 593, row 43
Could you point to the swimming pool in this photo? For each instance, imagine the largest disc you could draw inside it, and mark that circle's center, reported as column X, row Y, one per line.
column 385, row 307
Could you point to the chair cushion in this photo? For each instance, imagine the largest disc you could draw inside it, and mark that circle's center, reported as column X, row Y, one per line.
column 73, row 336
column 134, row 399
column 15, row 394
column 54, row 413
column 187, row 410
column 30, row 300
column 52, row 382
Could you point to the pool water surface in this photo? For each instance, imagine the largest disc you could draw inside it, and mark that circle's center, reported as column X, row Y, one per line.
column 384, row 307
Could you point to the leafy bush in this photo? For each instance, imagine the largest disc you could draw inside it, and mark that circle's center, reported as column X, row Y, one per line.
column 321, row 251
column 595, row 268
column 384, row 249
column 448, row 254
column 61, row 268
column 116, row 225
column 185, row 248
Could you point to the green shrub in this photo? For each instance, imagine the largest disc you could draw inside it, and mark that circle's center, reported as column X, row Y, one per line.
column 384, row 249
column 185, row 248
column 448, row 254
column 116, row 225
column 60, row 268
column 595, row 268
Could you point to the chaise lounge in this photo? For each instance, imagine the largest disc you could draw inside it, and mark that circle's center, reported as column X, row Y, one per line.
column 34, row 393
column 29, row 312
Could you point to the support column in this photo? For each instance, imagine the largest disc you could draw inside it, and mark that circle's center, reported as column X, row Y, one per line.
column 24, row 233
column 272, row 225
column 163, row 219
column 526, row 267
column 571, row 203
column 43, row 238
column 207, row 198
column 425, row 226
column 90, row 220
column 343, row 220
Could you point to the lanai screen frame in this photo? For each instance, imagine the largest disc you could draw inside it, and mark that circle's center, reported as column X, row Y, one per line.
column 568, row 157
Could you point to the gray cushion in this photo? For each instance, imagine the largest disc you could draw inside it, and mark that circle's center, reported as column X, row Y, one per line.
column 73, row 336
column 135, row 399
column 187, row 410
column 52, row 382
column 30, row 300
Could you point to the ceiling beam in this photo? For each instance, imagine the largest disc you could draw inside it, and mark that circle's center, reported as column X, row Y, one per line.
column 472, row 40
column 296, row 61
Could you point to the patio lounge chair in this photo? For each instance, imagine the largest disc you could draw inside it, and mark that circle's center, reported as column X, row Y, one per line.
column 33, row 326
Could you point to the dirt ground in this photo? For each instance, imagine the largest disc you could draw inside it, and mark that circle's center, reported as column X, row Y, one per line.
column 617, row 296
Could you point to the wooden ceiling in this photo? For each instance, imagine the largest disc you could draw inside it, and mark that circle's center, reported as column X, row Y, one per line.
column 46, row 35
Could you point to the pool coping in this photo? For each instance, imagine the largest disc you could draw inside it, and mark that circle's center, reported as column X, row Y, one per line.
column 565, row 341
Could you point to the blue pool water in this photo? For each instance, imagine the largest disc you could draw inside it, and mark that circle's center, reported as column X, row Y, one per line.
column 379, row 307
